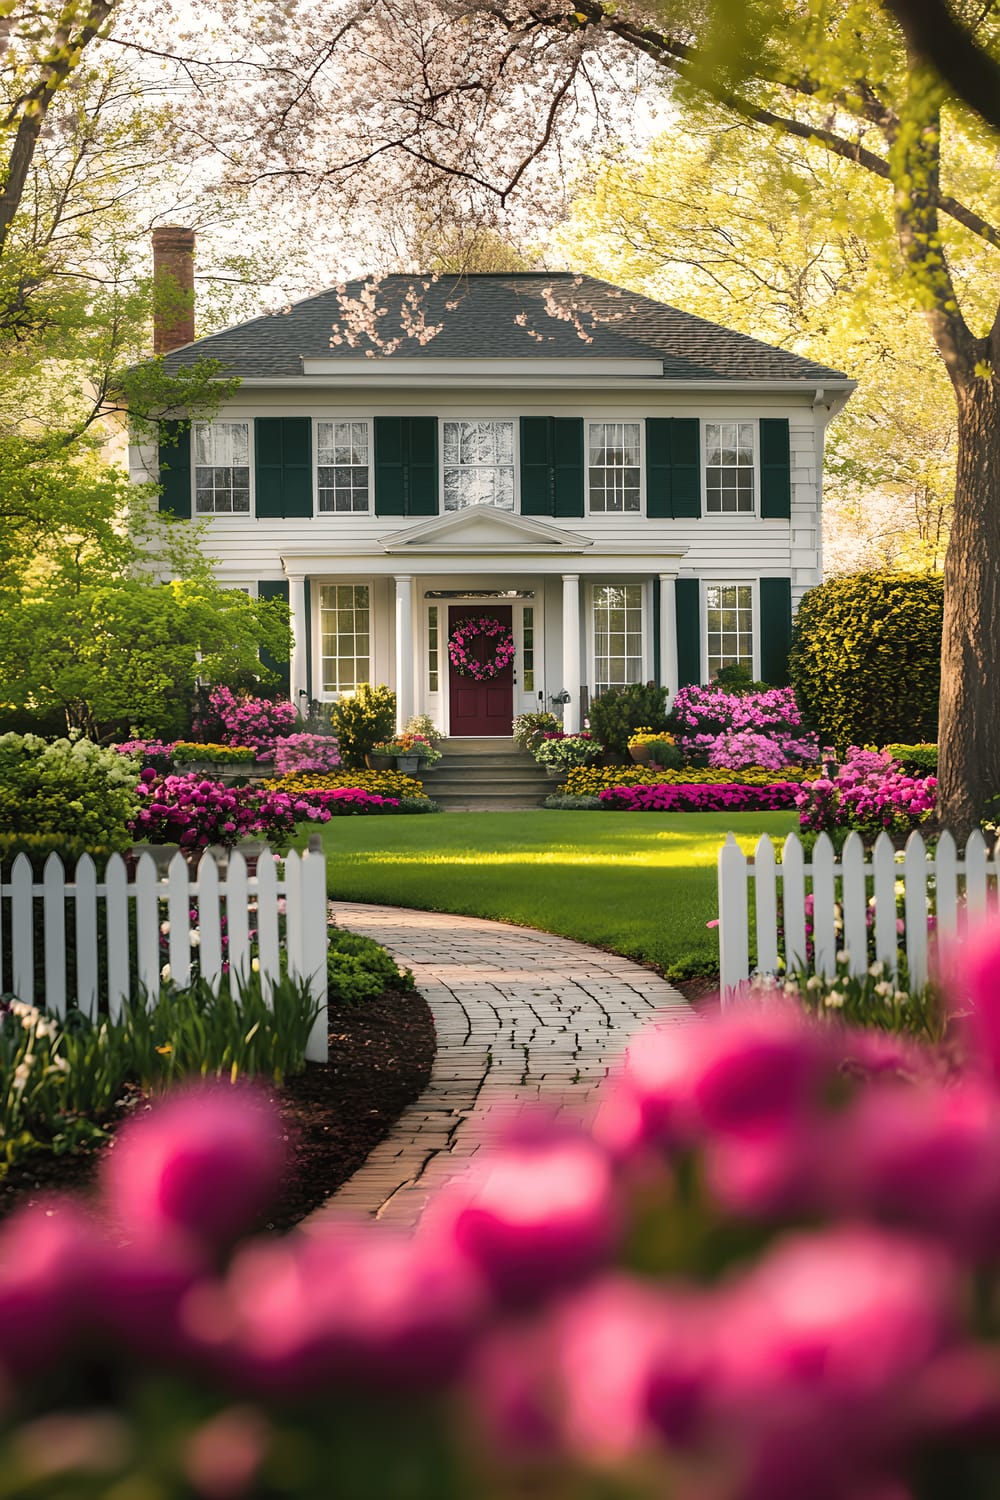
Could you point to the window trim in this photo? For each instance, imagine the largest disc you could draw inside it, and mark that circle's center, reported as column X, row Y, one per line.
column 644, row 585
column 226, row 516
column 614, row 515
column 731, row 582
column 369, row 421
column 730, row 515
column 515, row 460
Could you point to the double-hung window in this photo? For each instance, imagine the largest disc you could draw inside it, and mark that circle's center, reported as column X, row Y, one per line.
column 345, row 636
column 617, row 635
column 342, row 460
column 478, row 464
column 729, row 626
column 729, row 467
column 613, row 467
column 221, row 452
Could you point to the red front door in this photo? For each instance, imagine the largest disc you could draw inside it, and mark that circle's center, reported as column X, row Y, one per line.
column 481, row 707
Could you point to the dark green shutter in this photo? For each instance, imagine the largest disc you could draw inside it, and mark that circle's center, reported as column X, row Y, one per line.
column 406, row 482
column 658, row 468
column 688, row 610
column 267, row 465
column 673, row 468
column 390, row 493
column 275, row 589
column 536, row 466
column 552, row 461
column 283, row 466
column 685, row 468
column 775, row 630
column 422, row 475
column 175, row 470
column 567, row 466
column 296, row 466
column 775, row 470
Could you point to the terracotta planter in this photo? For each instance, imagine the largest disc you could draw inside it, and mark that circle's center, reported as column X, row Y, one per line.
column 640, row 754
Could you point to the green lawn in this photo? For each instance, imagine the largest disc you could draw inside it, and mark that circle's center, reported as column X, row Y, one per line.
column 641, row 884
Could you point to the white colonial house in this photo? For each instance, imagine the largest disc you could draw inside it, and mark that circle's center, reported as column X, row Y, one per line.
column 633, row 492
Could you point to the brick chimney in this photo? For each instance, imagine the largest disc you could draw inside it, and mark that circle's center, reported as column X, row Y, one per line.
column 173, row 287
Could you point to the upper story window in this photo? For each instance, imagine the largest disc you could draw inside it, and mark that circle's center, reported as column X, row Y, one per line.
column 729, row 467
column 342, row 450
column 478, row 464
column 221, row 452
column 613, row 466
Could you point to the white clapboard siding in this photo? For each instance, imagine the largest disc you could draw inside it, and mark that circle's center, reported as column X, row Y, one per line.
column 965, row 890
column 99, row 976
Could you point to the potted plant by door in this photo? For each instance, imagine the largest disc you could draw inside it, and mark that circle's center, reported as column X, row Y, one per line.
column 647, row 746
column 411, row 752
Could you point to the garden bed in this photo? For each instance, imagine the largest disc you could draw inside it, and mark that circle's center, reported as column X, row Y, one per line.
column 335, row 1113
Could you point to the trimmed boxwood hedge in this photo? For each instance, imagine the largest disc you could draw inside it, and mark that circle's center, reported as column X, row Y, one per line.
column 866, row 657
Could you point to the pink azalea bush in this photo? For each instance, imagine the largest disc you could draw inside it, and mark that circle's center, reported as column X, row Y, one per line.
column 295, row 753
column 870, row 792
column 237, row 719
column 766, row 1268
column 194, row 811
column 718, row 728
column 700, row 797
column 157, row 755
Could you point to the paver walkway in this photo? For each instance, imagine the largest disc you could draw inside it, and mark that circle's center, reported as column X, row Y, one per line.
column 520, row 1016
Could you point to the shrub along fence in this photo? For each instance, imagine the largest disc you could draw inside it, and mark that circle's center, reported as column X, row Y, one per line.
column 877, row 909
column 118, row 940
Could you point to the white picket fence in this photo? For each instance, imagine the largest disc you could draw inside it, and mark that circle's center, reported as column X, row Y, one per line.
column 963, row 889
column 129, row 928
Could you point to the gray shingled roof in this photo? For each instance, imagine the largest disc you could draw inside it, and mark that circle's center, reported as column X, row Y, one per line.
column 504, row 316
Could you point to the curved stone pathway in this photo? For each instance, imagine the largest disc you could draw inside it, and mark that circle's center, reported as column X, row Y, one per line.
column 520, row 1016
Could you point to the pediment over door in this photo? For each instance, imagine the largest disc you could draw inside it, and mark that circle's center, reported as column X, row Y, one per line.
column 483, row 528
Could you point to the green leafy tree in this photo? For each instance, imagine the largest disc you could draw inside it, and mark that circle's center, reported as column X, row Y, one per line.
column 778, row 254
column 126, row 653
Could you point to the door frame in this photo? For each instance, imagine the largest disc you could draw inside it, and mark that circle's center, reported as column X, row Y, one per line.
column 522, row 702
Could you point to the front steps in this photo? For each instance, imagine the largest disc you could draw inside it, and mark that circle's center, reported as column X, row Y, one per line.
column 486, row 775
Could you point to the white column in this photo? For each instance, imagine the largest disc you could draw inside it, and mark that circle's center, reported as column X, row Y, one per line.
column 404, row 649
column 300, row 628
column 668, row 635
column 571, row 649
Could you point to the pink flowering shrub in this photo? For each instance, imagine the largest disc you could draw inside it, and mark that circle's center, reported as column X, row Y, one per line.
column 717, row 728
column 157, row 755
column 870, row 792
column 766, row 1268
column 193, row 811
column 294, row 753
column 704, row 797
column 237, row 719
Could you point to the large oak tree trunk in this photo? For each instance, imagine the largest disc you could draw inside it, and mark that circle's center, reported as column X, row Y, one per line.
column 969, row 722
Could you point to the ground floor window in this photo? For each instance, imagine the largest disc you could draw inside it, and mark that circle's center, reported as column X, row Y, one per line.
column 345, row 636
column 617, row 635
column 729, row 620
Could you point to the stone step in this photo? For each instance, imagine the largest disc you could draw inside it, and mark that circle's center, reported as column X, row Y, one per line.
column 484, row 771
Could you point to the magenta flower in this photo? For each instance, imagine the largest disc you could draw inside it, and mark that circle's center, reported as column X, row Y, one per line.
column 203, row 1166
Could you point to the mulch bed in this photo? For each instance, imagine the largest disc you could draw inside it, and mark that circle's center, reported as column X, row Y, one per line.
column 334, row 1113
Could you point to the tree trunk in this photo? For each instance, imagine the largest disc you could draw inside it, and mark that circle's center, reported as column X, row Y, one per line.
column 969, row 720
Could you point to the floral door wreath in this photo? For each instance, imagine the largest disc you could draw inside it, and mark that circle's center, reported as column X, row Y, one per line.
column 491, row 629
